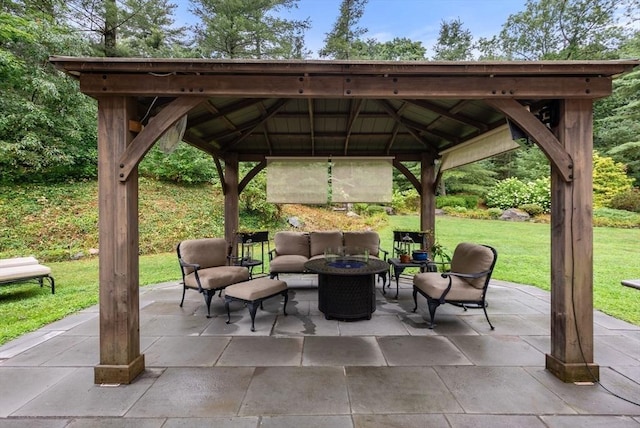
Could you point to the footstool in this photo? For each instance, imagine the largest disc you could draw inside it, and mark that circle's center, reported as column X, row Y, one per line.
column 253, row 292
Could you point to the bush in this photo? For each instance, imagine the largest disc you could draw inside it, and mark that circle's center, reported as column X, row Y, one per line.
column 494, row 213
column 532, row 209
column 511, row 192
column 405, row 201
column 628, row 200
column 466, row 201
column 609, row 179
column 615, row 218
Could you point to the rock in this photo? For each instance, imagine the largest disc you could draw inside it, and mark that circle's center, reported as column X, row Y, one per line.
column 439, row 211
column 514, row 214
column 94, row 251
column 352, row 214
column 77, row 256
column 295, row 222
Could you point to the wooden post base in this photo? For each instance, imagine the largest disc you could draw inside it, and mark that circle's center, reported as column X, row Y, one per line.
column 572, row 372
column 118, row 374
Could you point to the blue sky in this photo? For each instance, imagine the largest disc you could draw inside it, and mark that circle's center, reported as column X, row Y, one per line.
column 418, row 20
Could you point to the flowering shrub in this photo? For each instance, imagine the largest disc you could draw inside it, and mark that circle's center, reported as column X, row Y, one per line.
column 512, row 193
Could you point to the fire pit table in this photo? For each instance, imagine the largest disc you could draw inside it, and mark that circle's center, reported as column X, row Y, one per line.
column 346, row 285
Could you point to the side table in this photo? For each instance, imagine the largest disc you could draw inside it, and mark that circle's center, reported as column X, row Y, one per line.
column 399, row 267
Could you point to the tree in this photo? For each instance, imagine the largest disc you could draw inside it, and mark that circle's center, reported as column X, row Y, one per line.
column 248, row 29
column 454, row 42
column 563, row 29
column 609, row 179
column 47, row 127
column 338, row 43
column 398, row 49
column 105, row 21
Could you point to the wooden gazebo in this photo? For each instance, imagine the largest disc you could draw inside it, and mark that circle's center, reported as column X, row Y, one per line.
column 442, row 114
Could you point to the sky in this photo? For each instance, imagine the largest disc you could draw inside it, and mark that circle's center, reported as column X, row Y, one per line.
column 418, row 20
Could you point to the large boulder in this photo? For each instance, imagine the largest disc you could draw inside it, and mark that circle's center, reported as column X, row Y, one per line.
column 514, row 214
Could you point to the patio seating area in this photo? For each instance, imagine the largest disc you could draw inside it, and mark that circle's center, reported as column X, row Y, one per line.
column 305, row 371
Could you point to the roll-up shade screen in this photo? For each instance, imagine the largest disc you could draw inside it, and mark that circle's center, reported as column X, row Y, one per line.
column 297, row 181
column 361, row 180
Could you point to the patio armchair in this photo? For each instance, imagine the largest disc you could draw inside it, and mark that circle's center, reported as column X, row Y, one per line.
column 204, row 266
column 465, row 285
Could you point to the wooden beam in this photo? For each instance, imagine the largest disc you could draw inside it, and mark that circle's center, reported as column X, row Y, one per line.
column 120, row 357
column 428, row 198
column 538, row 132
column 428, row 105
column 288, row 86
column 169, row 115
column 354, row 111
column 571, row 356
column 231, row 199
column 250, row 127
column 254, row 171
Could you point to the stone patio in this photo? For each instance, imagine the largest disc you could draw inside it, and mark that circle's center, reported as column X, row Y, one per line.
column 305, row 371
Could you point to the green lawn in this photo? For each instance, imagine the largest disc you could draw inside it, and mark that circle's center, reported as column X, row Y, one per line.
column 523, row 257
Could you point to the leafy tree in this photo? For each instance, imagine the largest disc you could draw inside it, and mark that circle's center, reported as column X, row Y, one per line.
column 475, row 179
column 455, row 43
column 340, row 40
column 185, row 165
column 398, row 49
column 248, row 29
column 609, row 179
column 562, row 29
column 47, row 127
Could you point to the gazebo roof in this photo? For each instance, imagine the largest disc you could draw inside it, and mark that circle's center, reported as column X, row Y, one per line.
column 341, row 108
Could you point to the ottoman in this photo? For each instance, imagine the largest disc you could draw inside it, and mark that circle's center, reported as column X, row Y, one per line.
column 253, row 292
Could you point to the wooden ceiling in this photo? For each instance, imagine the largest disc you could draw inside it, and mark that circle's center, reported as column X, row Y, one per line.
column 340, row 108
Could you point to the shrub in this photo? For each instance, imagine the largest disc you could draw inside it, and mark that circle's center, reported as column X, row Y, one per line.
column 532, row 209
column 405, row 201
column 628, row 200
column 609, row 179
column 375, row 209
column 466, row 201
column 494, row 213
column 512, row 192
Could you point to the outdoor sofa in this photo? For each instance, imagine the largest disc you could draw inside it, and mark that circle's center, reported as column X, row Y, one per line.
column 22, row 269
column 293, row 249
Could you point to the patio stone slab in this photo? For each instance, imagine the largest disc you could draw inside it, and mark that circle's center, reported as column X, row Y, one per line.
column 198, row 392
column 76, row 395
column 342, row 351
column 421, row 351
column 389, row 390
column 589, row 421
column 235, row 422
column 181, row 351
column 173, row 325
column 592, row 399
column 305, row 325
column 500, row 390
column 446, row 325
column 26, row 384
column 43, row 352
column 33, row 423
column 26, row 342
column 90, row 327
column 498, row 350
column 385, row 325
column 296, row 391
column 306, row 422
column 494, row 421
column 240, row 324
column 262, row 351
column 116, row 422
column 514, row 325
column 399, row 421
column 629, row 346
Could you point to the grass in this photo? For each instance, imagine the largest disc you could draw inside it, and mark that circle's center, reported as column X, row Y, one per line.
column 523, row 257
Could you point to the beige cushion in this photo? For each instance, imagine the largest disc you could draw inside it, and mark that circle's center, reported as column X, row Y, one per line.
column 364, row 239
column 18, row 261
column 206, row 252
column 217, row 277
column 433, row 284
column 472, row 258
column 292, row 243
column 320, row 241
column 288, row 263
column 255, row 289
column 23, row 272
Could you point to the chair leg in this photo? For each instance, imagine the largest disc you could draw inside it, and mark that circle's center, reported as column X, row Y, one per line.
column 415, row 299
column 433, row 305
column 208, row 295
column 484, row 308
column 286, row 299
column 253, row 308
column 184, row 289
column 226, row 306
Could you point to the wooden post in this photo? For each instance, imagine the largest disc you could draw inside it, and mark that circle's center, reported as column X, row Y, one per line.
column 428, row 197
column 120, row 358
column 571, row 356
column 231, row 197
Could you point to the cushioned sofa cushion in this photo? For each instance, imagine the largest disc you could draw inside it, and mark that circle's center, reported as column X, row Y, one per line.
column 433, row 284
column 364, row 239
column 288, row 263
column 206, row 252
column 472, row 258
column 292, row 243
column 217, row 277
column 320, row 241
